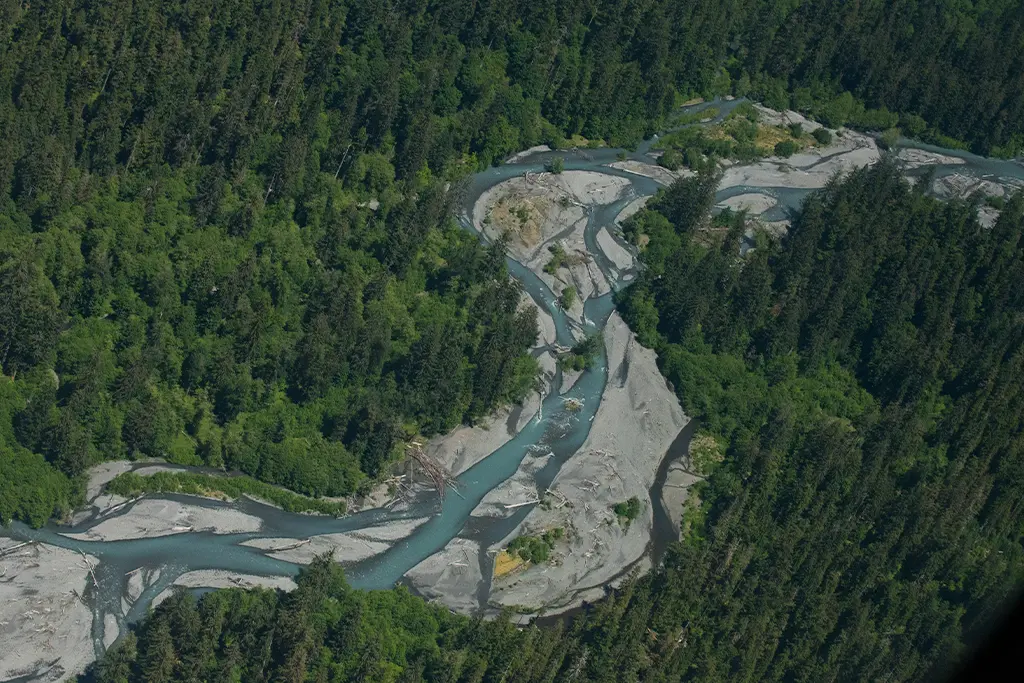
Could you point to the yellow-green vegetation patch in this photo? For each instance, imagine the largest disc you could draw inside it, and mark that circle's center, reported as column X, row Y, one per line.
column 706, row 451
column 740, row 136
column 520, row 216
column 507, row 563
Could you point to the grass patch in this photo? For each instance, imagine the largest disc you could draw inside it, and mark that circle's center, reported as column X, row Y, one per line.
column 224, row 488
column 507, row 563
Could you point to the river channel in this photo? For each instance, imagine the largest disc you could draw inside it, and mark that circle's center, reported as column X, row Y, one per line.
column 554, row 430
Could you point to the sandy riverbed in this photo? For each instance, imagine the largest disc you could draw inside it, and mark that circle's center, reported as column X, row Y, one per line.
column 916, row 158
column 620, row 257
column 214, row 578
column 810, row 169
column 676, row 491
column 630, row 209
column 347, row 547
column 152, row 517
column 657, row 173
column 754, row 203
column 637, row 421
column 451, row 577
column 45, row 627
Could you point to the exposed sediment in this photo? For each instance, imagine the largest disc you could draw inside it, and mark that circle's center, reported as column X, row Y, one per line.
column 347, row 547
column 151, row 517
column 676, row 490
column 215, row 578
column 616, row 253
column 659, row 174
column 519, row 489
column 754, row 203
column 637, row 421
column 451, row 576
column 810, row 169
column 45, row 625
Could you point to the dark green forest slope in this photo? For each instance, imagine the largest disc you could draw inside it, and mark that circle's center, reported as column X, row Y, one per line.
column 190, row 262
column 866, row 376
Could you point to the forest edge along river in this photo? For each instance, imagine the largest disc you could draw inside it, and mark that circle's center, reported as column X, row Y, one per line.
column 563, row 458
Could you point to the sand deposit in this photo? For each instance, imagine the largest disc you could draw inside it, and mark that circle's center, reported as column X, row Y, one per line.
column 542, row 210
column 638, row 419
column 616, row 253
column 916, row 158
column 632, row 208
column 526, row 153
column 987, row 216
column 215, row 578
column 771, row 117
column 45, row 627
column 519, row 488
column 110, row 630
column 678, row 483
column 569, row 379
column 103, row 474
column 754, row 203
column 150, row 517
column 465, row 446
column 962, row 186
column 658, row 174
column 450, row 576
column 150, row 470
column 531, row 406
column 347, row 547
column 810, row 169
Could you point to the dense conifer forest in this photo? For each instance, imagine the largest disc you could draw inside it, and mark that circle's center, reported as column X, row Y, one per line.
column 226, row 239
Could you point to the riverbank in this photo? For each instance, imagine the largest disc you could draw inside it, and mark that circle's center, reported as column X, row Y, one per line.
column 45, row 624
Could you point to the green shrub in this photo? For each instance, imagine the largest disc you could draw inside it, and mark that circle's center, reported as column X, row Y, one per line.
column 672, row 159
column 785, row 149
column 888, row 139
column 582, row 354
column 568, row 298
column 555, row 165
column 627, row 510
column 558, row 259
column 130, row 485
column 534, row 549
column 823, row 136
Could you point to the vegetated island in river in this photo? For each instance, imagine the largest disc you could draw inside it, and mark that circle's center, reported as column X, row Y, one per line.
column 54, row 590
